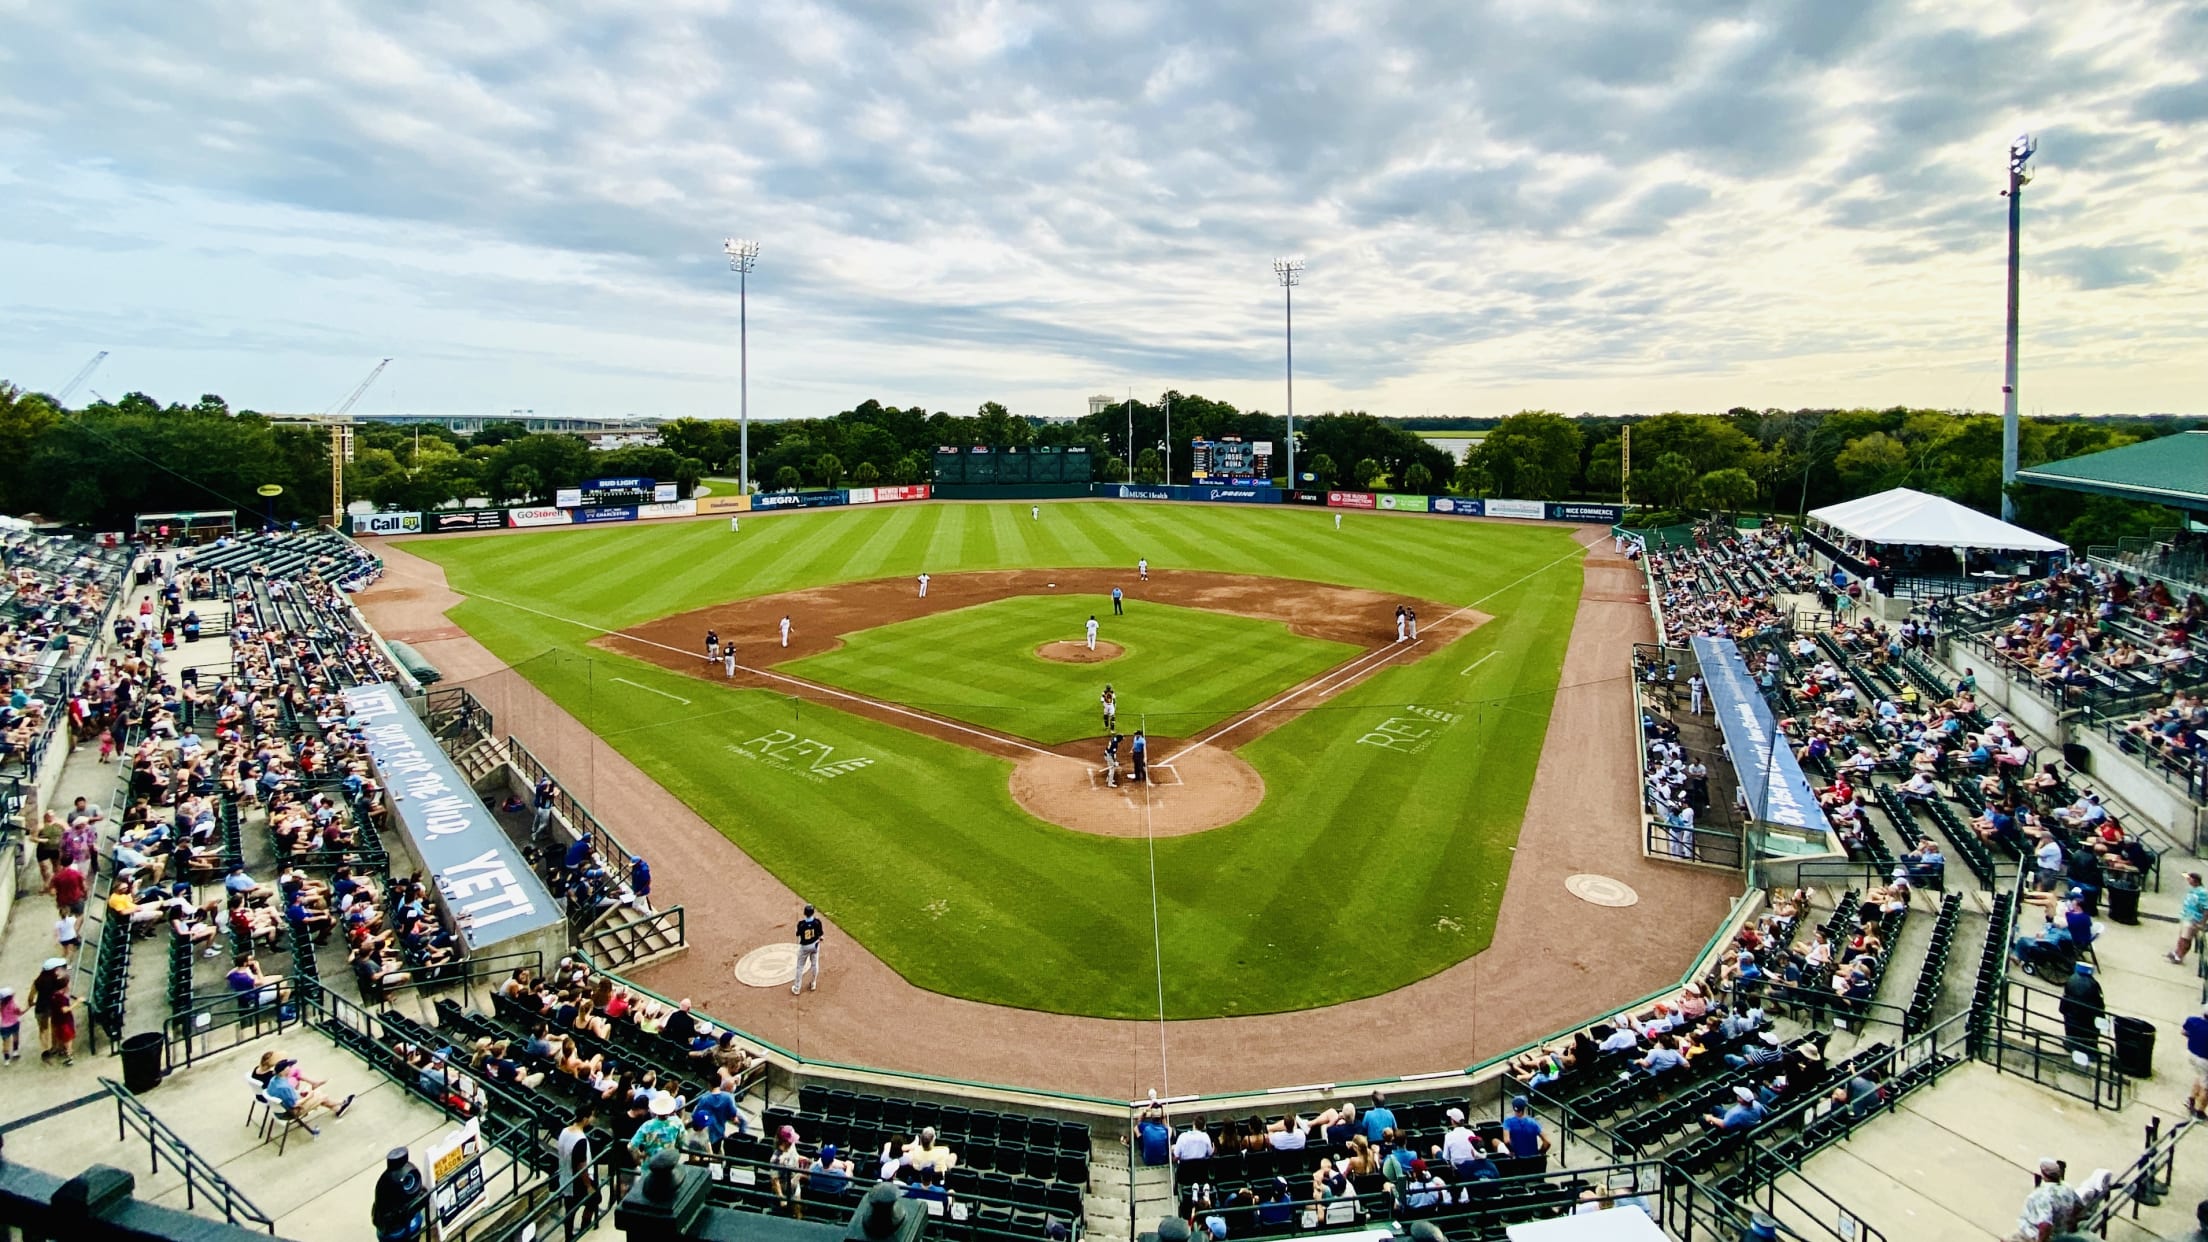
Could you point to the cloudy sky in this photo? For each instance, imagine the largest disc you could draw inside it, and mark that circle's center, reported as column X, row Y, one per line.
column 1611, row 207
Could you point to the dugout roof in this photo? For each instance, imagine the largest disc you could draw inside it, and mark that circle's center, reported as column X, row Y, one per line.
column 2168, row 470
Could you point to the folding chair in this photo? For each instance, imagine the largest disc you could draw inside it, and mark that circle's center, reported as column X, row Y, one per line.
column 260, row 1104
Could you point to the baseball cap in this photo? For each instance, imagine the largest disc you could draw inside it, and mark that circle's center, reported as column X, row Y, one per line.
column 1455, row 1115
column 52, row 963
column 1746, row 1096
column 1520, row 1103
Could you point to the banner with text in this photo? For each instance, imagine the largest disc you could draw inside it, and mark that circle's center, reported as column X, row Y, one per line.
column 387, row 523
column 1403, row 503
column 1763, row 761
column 490, row 889
column 1457, row 505
column 607, row 513
column 724, row 504
column 668, row 509
column 777, row 500
column 1607, row 515
column 1351, row 500
column 469, row 519
column 538, row 516
column 1533, row 509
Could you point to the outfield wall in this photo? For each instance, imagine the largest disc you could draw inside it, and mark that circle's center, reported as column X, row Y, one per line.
column 442, row 521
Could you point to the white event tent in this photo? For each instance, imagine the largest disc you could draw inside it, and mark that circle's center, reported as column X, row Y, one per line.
column 1906, row 518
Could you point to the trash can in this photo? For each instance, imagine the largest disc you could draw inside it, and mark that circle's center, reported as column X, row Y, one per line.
column 2123, row 900
column 2135, row 1046
column 142, row 1061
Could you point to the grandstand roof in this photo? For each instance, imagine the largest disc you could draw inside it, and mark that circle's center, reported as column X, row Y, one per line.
column 1903, row 516
column 2170, row 470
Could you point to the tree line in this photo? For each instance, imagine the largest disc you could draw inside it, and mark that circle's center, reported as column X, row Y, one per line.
column 98, row 465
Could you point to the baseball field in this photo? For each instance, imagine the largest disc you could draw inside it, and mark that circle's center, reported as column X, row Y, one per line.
column 930, row 772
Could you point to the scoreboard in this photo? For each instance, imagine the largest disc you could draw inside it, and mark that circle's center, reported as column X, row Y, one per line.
column 1012, row 465
column 617, row 491
column 1233, row 460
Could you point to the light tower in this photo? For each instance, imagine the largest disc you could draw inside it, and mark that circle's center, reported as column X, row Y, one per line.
column 1290, row 274
column 2020, row 157
column 742, row 255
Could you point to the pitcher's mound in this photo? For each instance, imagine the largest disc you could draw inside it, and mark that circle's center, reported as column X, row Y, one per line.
column 1203, row 789
column 1075, row 651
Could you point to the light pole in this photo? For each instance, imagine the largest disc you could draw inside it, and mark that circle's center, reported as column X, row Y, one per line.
column 1290, row 274
column 742, row 255
column 1129, row 472
column 1168, row 445
column 2020, row 155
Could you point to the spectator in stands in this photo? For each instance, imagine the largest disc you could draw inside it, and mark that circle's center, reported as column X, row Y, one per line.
column 830, row 1173
column 578, row 1183
column 924, row 1152
column 1378, row 1118
column 1194, row 1143
column 1763, row 1052
column 284, row 1087
column 719, row 1108
column 660, row 1133
column 1745, row 1113
column 789, row 1173
column 2196, row 1051
column 681, row 1024
column 246, row 980
column 2052, row 1208
column 2191, row 914
column 1522, row 1131
column 2083, row 1009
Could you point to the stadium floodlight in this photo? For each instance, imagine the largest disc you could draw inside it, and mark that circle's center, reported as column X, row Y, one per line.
column 2021, row 150
column 742, row 255
column 1289, row 271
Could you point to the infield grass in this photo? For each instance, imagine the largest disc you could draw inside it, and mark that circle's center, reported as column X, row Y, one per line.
column 1183, row 668
column 1378, row 857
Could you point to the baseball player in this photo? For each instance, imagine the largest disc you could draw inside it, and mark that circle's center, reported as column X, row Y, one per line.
column 1141, row 757
column 1111, row 761
column 1035, row 512
column 712, row 644
column 923, row 586
column 1119, row 609
column 1111, row 708
column 809, row 933
column 728, row 661
column 785, row 631
column 1337, row 521
column 1399, row 623
column 1092, row 632
column 1694, row 689
column 734, row 525
column 1411, row 615
column 1142, row 568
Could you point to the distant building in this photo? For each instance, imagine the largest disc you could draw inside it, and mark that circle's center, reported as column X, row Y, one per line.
column 628, row 425
column 1102, row 402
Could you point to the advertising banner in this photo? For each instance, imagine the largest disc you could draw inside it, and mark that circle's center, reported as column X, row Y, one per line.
column 490, row 889
column 539, row 516
column 1516, row 509
column 724, row 504
column 607, row 513
column 668, row 509
column 1300, row 497
column 468, row 519
column 1403, row 504
column 1457, row 505
column 387, row 523
column 665, row 493
column 817, row 500
column 1126, row 491
column 1350, row 500
column 568, row 497
column 454, row 1178
column 1242, row 495
column 859, row 495
column 907, row 491
column 1608, row 515
column 1763, row 761
column 777, row 500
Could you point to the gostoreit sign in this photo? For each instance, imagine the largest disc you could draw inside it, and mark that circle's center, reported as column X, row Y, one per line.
column 487, row 886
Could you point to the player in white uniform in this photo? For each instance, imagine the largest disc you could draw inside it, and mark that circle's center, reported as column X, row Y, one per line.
column 1411, row 615
column 923, row 586
column 1036, row 512
column 728, row 661
column 1142, row 568
column 1111, row 708
column 1399, row 623
column 1337, row 521
column 785, row 631
column 1694, row 688
column 1092, row 632
column 735, row 524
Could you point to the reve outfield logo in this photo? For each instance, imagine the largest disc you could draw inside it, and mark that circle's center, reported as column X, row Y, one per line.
column 808, row 757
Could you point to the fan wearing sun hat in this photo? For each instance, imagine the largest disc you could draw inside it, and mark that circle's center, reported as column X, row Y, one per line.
column 661, row 1133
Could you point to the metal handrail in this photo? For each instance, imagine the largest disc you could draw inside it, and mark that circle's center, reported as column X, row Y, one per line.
column 200, row 1176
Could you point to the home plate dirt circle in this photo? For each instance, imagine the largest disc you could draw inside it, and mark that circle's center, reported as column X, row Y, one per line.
column 768, row 966
column 1203, row 789
column 1601, row 890
column 1075, row 651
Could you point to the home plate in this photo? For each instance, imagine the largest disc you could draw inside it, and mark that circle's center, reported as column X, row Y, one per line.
column 768, row 966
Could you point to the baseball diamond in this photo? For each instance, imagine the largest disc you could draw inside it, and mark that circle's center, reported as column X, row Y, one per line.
column 1383, row 805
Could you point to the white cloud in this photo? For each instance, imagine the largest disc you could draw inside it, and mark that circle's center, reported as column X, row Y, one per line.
column 1683, row 204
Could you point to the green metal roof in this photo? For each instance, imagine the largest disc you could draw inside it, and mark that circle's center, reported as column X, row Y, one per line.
column 2169, row 470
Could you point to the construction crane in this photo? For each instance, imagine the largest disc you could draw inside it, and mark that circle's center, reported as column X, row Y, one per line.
column 77, row 381
column 339, row 419
column 346, row 406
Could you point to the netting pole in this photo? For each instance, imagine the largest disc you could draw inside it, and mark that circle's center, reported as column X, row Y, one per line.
column 1157, row 935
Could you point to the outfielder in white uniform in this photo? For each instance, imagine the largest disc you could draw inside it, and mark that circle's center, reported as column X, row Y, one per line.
column 735, row 524
column 1035, row 512
column 923, row 586
column 1337, row 521
column 785, row 631
column 1092, row 633
column 1142, row 568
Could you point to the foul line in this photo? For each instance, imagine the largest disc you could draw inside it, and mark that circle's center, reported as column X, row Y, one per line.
column 649, row 690
column 1475, row 664
column 1335, row 679
column 938, row 721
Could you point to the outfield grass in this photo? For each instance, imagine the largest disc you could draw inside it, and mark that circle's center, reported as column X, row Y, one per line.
column 1182, row 671
column 1366, row 868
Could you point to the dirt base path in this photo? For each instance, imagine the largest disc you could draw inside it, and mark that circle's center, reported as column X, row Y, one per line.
column 1555, row 960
